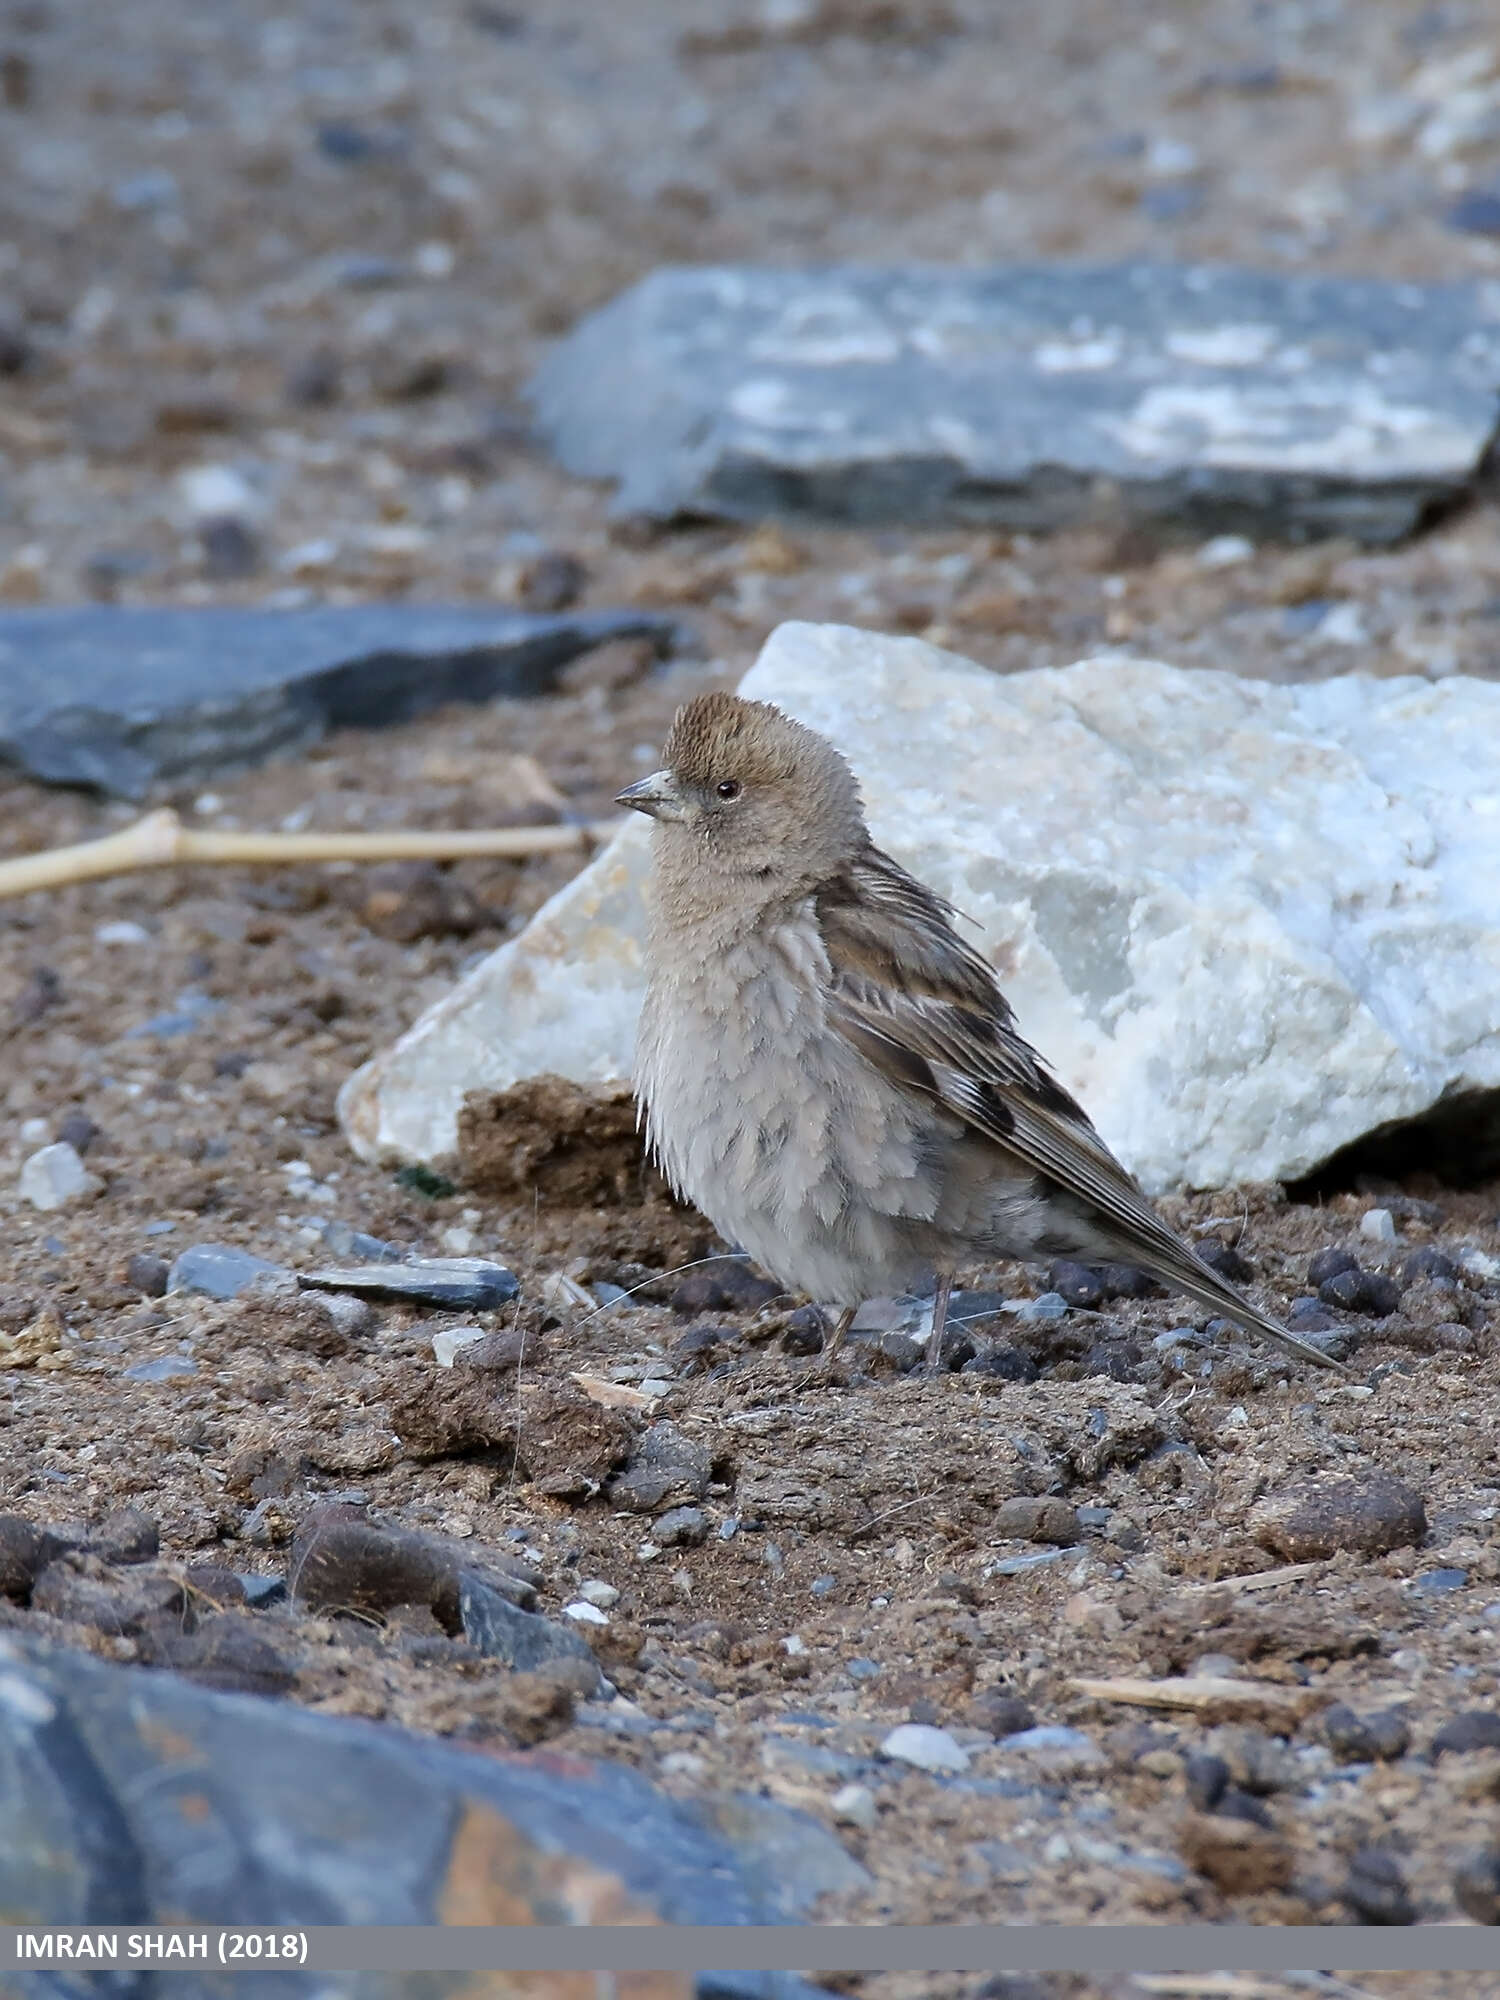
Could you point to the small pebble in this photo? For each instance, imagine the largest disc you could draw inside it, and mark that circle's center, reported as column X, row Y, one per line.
column 1226, row 1260
column 1000, row 1714
column 1375, row 1888
column 862, row 1670
column 1476, row 1885
column 854, row 1805
column 1325, row 1264
column 1354, row 1290
column 219, row 1270
column 1429, row 1262
column 924, row 1747
column 162, row 1369
column 1369, row 1513
column 1440, row 1582
column 681, row 1527
column 1379, row 1225
column 448, row 1341
column 1050, row 1306
column 584, row 1613
column 1473, row 1729
column 1207, row 1780
column 54, row 1176
column 147, row 1275
column 595, row 1592
column 1365, row 1739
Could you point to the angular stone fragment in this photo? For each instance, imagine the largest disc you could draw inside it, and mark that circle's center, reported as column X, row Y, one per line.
column 219, row 1270
column 1269, row 405
column 1261, row 943
column 470, row 1283
column 121, row 698
column 138, row 1798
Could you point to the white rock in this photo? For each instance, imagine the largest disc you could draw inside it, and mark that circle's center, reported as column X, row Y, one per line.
column 122, row 932
column 604, row 1595
column 583, row 1613
column 1378, row 1224
column 928, row 1748
column 55, row 1175
column 1224, row 552
column 210, row 492
column 854, row 1805
column 1246, row 923
column 450, row 1340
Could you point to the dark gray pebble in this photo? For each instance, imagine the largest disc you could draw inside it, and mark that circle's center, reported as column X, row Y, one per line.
column 79, row 1131
column 1000, row 1713
column 1226, row 1260
column 1473, row 1729
column 128, row 1535
column 1375, row 1888
column 147, row 1275
column 1327, row 1263
column 1365, row 1739
column 726, row 1285
column 25, row 1551
column 1207, row 1780
column 804, row 1332
column 1429, row 1262
column 1079, row 1284
column 1476, row 1885
column 1369, row 1292
column 683, row 1527
column 1007, row 1364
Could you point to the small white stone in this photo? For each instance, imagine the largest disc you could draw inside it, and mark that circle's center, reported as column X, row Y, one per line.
column 34, row 1129
column 123, row 932
column 458, row 1240
column 1224, row 552
column 648, row 1552
column 682, row 1764
column 210, row 492
column 1378, row 1224
column 793, row 1644
column 55, row 1175
column 583, row 1613
column 434, row 260
column 926, row 1747
column 1342, row 626
column 450, row 1340
column 854, row 1805
column 594, row 1591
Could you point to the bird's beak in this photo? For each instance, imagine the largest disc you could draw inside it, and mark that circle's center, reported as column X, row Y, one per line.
column 656, row 796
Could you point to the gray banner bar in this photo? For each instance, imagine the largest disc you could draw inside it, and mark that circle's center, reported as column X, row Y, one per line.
column 794, row 1948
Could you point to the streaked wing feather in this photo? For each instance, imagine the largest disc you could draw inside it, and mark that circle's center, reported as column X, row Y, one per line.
column 925, row 1009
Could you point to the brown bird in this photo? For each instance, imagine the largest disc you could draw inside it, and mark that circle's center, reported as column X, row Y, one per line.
column 829, row 1072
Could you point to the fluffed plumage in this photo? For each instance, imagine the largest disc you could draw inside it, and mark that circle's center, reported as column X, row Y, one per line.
column 829, row 1072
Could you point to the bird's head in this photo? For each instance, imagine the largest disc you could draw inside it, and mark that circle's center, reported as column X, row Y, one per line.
column 755, row 793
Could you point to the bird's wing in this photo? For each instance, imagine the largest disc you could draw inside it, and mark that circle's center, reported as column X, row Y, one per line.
column 925, row 1009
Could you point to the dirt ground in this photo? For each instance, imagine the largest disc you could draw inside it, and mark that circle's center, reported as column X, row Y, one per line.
column 319, row 252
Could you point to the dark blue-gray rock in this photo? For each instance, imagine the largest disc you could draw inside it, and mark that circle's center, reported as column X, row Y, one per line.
column 140, row 1798
column 1211, row 400
column 470, row 1282
column 116, row 699
column 523, row 1639
column 219, row 1270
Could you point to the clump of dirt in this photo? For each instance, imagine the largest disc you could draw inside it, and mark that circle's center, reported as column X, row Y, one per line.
column 563, row 1142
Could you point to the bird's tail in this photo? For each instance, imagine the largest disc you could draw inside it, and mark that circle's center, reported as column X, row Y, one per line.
column 1170, row 1261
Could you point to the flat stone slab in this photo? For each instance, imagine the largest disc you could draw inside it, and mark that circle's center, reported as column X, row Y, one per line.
column 1207, row 400
column 140, row 1798
column 115, row 699
column 1247, row 924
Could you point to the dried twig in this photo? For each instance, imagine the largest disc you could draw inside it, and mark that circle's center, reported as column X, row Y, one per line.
column 160, row 840
column 1201, row 1693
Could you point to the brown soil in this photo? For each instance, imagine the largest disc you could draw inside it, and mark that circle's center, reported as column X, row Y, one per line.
column 552, row 153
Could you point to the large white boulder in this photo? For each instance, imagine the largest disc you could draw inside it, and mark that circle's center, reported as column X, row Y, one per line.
column 1246, row 923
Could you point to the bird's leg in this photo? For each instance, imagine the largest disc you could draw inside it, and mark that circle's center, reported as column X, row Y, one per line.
column 939, row 1321
column 835, row 1339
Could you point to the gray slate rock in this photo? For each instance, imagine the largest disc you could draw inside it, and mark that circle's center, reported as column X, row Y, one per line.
column 1214, row 400
column 118, row 699
column 469, row 1282
column 523, row 1639
column 139, row 1798
column 218, row 1270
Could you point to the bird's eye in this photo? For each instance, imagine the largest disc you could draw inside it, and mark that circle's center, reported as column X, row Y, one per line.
column 729, row 788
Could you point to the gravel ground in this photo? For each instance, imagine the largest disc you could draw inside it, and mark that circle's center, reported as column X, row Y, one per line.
column 274, row 286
